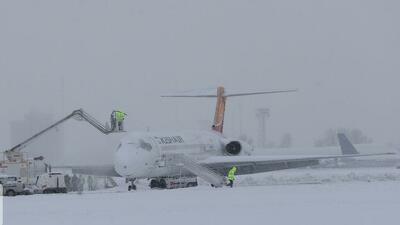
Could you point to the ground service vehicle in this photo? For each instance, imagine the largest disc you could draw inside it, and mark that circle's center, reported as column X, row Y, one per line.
column 13, row 186
column 174, row 182
column 51, row 183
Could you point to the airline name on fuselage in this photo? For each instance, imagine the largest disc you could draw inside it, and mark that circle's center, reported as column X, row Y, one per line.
column 169, row 140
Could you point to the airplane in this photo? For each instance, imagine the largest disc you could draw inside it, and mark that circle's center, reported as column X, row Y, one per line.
column 206, row 154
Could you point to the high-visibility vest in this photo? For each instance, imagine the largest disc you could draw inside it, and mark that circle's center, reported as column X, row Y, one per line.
column 120, row 116
column 231, row 174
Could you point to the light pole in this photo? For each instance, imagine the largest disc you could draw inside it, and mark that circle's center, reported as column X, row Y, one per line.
column 262, row 115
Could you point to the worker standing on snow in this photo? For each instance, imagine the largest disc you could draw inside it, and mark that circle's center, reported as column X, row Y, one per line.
column 75, row 182
column 231, row 176
column 90, row 183
column 81, row 183
column 94, row 186
column 67, row 180
column 120, row 117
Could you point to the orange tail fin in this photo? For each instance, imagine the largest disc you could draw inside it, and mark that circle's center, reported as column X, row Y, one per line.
column 220, row 110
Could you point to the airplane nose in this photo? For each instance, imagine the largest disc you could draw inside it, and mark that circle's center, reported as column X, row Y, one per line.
column 121, row 161
column 132, row 161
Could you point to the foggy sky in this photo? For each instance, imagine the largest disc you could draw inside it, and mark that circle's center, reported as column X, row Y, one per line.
column 100, row 55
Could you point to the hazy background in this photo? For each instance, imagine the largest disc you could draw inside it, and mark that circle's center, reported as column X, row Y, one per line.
column 343, row 55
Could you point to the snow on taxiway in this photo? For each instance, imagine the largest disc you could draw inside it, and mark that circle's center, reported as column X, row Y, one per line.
column 340, row 203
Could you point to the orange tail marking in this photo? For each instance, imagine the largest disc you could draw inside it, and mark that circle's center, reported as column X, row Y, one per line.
column 220, row 110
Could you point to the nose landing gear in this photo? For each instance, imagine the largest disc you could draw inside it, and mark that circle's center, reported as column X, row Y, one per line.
column 132, row 186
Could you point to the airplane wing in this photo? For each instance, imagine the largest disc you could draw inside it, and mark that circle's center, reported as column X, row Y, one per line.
column 260, row 164
column 103, row 171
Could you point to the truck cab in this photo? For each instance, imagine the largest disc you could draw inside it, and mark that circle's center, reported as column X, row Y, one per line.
column 13, row 186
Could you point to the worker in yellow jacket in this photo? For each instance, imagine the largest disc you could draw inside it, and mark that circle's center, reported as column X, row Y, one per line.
column 120, row 117
column 231, row 176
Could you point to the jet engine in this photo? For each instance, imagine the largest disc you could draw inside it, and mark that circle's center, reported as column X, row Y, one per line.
column 233, row 148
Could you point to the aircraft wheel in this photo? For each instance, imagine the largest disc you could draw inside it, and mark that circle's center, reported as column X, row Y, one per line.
column 10, row 193
column 191, row 184
column 132, row 187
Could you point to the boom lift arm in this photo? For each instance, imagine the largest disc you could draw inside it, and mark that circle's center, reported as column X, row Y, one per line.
column 78, row 114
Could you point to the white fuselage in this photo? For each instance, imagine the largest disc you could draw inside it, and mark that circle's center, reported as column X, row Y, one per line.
column 144, row 155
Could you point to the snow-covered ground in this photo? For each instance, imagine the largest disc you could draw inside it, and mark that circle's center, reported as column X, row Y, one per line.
column 308, row 196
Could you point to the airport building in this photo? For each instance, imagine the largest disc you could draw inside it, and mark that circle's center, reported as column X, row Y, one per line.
column 50, row 145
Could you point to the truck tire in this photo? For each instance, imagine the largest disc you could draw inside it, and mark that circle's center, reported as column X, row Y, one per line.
column 191, row 184
column 163, row 184
column 154, row 184
column 10, row 193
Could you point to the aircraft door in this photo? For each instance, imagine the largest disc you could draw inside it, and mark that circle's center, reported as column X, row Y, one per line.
column 160, row 157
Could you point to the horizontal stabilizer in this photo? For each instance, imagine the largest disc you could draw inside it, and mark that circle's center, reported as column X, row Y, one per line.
column 258, row 93
column 221, row 95
column 213, row 94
